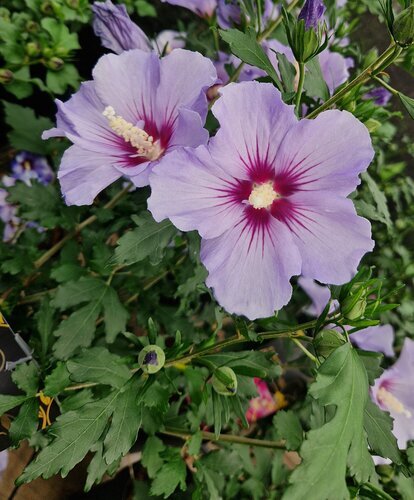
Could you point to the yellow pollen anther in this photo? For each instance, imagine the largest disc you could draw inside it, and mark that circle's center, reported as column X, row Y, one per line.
column 391, row 402
column 138, row 138
column 262, row 195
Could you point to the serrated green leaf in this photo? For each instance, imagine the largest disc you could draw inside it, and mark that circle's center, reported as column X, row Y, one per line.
column 246, row 47
column 379, row 199
column 26, row 128
column 171, row 475
column 45, row 324
column 194, row 443
column 151, row 459
column 26, row 422
column 26, row 377
column 74, row 434
column 9, row 402
column 97, row 468
column 288, row 427
column 143, row 241
column 57, row 380
column 75, row 292
column 76, row 331
column 126, row 421
column 378, row 425
column 115, row 315
column 326, row 452
column 97, row 364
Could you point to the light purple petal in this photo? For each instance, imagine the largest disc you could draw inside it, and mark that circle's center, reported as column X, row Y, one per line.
column 328, row 152
column 375, row 338
column 188, row 130
column 189, row 189
column 228, row 13
column 319, row 294
column 258, row 124
column 335, row 69
column 203, row 8
column 331, row 238
column 83, row 174
column 250, row 271
column 116, row 30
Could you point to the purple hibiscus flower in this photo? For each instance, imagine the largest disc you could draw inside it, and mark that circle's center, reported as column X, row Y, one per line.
column 229, row 13
column 393, row 392
column 112, row 24
column 312, row 12
column 137, row 109
column 268, row 196
column 379, row 95
column 374, row 338
column 203, row 8
column 28, row 167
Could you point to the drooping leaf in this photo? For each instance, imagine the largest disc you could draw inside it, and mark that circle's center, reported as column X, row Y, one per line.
column 327, row 451
column 97, row 364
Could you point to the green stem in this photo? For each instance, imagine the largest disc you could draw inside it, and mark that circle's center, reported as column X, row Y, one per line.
column 385, row 85
column 386, row 57
column 87, row 222
column 259, row 16
column 304, row 350
column 378, row 491
column 229, row 438
column 300, row 88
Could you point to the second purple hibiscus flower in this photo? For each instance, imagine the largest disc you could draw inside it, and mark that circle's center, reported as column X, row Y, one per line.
column 268, row 196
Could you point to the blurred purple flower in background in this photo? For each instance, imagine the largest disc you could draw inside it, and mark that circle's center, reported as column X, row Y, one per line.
column 393, row 392
column 229, row 13
column 380, row 96
column 203, row 8
column 116, row 30
column 135, row 111
column 168, row 40
column 266, row 196
column 312, row 12
column 28, row 167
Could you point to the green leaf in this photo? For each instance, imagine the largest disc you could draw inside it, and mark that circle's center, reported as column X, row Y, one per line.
column 45, row 324
column 143, row 241
column 26, row 128
column 379, row 198
column 26, row 422
column 288, row 427
column 249, row 363
column 74, row 434
column 378, row 425
column 408, row 104
column 287, row 72
column 26, row 377
column 97, row 364
column 246, row 47
column 171, row 475
column 98, row 468
column 326, row 452
column 126, row 421
column 151, row 459
column 76, row 331
column 57, row 380
column 194, row 443
column 58, row 81
column 9, row 402
column 115, row 315
column 75, row 292
column 315, row 84
column 145, row 9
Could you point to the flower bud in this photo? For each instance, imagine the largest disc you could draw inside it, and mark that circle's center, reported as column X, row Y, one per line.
column 312, row 12
column 32, row 49
column 151, row 359
column 55, row 63
column 403, row 27
column 326, row 341
column 225, row 381
column 353, row 307
column 72, row 4
column 61, row 51
column 46, row 7
column 32, row 26
column 6, row 76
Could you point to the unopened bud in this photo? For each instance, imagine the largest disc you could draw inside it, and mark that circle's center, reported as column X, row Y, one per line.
column 61, row 51
column 46, row 7
column 225, row 381
column 327, row 341
column 55, row 63
column 32, row 49
column 403, row 27
column 6, row 76
column 151, row 359
column 312, row 12
column 353, row 307
column 32, row 26
column 73, row 4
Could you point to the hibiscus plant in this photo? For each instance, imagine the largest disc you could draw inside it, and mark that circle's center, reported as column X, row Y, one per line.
column 207, row 261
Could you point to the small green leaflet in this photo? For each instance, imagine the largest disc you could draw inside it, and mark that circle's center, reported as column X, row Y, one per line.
column 97, row 364
column 151, row 459
column 26, row 422
column 379, row 199
column 26, row 377
column 98, row 467
column 288, row 427
column 9, row 402
column 327, row 451
column 171, row 475
column 408, row 104
column 246, row 47
column 57, row 380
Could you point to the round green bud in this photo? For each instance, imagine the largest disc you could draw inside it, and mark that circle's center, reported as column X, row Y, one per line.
column 403, row 27
column 353, row 307
column 326, row 341
column 225, row 381
column 46, row 7
column 55, row 63
column 32, row 26
column 6, row 76
column 32, row 49
column 151, row 359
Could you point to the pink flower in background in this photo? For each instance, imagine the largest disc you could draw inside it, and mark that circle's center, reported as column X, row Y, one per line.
column 264, row 405
column 267, row 196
